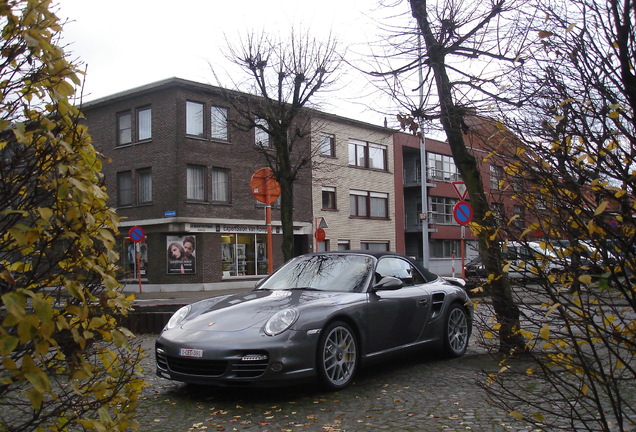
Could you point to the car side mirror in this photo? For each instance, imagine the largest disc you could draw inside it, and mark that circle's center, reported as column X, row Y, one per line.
column 388, row 283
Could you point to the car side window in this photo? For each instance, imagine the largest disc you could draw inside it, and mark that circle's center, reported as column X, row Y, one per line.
column 400, row 269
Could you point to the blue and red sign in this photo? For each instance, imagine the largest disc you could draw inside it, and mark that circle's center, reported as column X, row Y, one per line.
column 463, row 213
column 136, row 234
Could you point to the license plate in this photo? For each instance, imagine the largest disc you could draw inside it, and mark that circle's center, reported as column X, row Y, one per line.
column 190, row 352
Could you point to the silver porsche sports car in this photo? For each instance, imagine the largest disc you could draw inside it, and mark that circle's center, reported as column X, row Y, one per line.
column 320, row 316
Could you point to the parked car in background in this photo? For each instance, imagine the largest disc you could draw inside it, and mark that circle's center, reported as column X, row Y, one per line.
column 520, row 261
column 320, row 316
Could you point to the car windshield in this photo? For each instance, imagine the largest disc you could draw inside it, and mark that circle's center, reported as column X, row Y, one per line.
column 333, row 272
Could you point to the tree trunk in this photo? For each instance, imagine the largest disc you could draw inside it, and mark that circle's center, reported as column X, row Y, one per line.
column 452, row 116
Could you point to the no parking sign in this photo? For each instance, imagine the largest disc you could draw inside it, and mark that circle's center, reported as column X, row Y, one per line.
column 463, row 213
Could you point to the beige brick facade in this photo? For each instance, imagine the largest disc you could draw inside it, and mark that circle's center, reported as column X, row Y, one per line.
column 335, row 172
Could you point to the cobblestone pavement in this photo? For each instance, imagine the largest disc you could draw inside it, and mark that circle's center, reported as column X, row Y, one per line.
column 417, row 393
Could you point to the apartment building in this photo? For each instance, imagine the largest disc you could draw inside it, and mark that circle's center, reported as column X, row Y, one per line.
column 438, row 221
column 180, row 172
column 353, row 190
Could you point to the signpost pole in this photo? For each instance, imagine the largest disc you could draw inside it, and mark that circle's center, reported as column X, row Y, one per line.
column 268, row 223
column 138, row 260
column 463, row 251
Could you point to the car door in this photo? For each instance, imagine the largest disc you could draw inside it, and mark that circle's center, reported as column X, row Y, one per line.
column 397, row 317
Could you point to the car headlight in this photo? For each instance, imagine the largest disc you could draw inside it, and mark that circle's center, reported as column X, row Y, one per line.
column 178, row 317
column 281, row 321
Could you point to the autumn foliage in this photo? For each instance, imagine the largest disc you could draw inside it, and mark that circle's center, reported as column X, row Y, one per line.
column 66, row 364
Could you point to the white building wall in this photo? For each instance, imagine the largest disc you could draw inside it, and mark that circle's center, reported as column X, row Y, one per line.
column 336, row 172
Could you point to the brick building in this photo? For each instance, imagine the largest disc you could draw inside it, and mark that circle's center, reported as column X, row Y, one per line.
column 182, row 173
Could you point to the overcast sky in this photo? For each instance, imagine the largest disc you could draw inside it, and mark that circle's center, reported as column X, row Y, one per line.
column 129, row 43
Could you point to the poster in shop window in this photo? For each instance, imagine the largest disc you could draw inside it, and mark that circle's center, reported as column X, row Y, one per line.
column 181, row 254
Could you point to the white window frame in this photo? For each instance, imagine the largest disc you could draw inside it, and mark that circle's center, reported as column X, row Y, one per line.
column 195, row 179
column 220, row 185
column 218, row 123
column 194, row 118
column 144, row 124
column 261, row 137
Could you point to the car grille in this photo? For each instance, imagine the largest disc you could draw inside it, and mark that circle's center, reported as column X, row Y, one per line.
column 197, row 366
column 212, row 368
column 249, row 369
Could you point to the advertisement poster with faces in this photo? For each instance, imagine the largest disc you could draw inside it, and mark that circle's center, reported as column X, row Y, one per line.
column 181, row 254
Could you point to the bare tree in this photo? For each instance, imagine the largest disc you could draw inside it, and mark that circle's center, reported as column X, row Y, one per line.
column 446, row 37
column 286, row 76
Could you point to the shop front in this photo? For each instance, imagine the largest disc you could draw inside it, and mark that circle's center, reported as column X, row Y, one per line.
column 201, row 253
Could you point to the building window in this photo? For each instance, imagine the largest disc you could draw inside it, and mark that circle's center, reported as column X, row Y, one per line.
column 144, row 186
column 441, row 210
column 195, row 179
column 243, row 254
column 261, row 137
column 344, row 245
column 445, row 248
column 322, row 246
column 442, row 167
column 369, row 204
column 496, row 176
column 374, row 245
column 367, row 155
column 327, row 145
column 194, row 118
column 328, row 198
column 520, row 216
column 218, row 123
column 124, row 188
column 144, row 124
column 124, row 128
column 220, row 185
column 497, row 212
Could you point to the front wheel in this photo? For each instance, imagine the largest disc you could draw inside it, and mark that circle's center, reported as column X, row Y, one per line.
column 456, row 331
column 338, row 356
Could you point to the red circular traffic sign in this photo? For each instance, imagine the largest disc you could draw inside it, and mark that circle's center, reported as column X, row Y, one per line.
column 320, row 234
column 264, row 186
column 463, row 213
column 136, row 234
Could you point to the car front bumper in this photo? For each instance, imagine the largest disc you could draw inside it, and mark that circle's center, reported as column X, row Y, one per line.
column 235, row 358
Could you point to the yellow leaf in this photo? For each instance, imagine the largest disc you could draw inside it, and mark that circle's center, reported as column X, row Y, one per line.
column 516, row 414
column 7, row 344
column 585, row 279
column 544, row 333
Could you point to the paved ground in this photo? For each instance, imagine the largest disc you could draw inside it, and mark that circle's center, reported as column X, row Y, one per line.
column 415, row 393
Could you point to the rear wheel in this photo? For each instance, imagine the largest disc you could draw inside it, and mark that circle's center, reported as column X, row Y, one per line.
column 338, row 357
column 456, row 331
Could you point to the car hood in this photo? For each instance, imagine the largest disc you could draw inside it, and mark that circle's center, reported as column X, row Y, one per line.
column 251, row 309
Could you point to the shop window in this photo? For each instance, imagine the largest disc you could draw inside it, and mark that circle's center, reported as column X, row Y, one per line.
column 243, row 255
column 130, row 266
